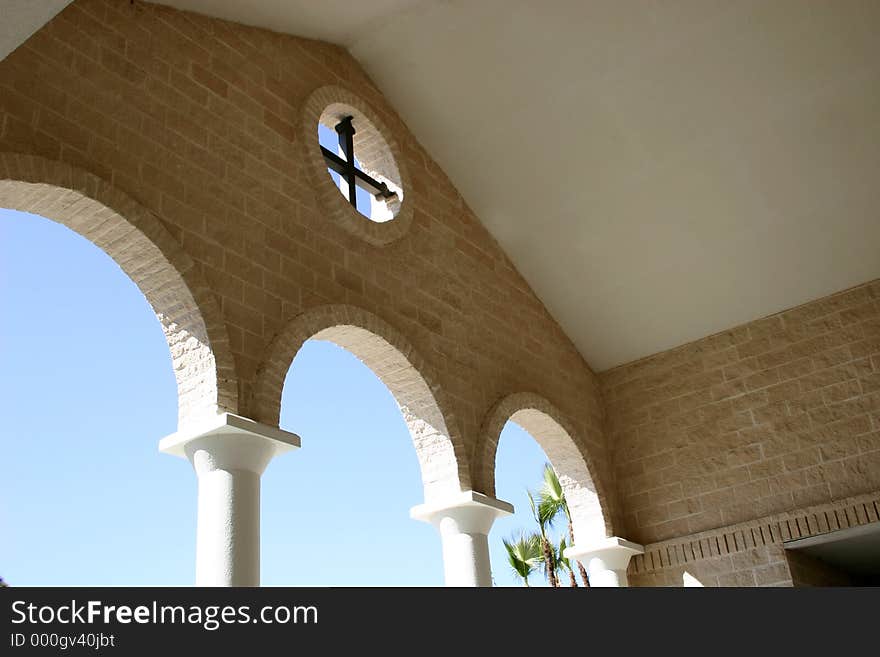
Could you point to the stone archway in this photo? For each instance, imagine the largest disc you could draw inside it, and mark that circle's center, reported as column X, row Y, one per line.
column 554, row 433
column 440, row 450
column 144, row 249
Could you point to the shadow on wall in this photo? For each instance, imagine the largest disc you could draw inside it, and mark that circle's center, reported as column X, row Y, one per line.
column 845, row 557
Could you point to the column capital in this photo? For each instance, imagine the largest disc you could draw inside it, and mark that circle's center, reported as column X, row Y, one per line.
column 606, row 560
column 227, row 441
column 471, row 511
column 464, row 519
column 614, row 551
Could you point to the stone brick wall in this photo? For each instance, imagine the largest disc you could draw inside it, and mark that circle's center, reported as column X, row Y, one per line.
column 196, row 120
column 774, row 415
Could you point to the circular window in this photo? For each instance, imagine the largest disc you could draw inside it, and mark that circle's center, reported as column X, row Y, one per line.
column 376, row 196
column 356, row 168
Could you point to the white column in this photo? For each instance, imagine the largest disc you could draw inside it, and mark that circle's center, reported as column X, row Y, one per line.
column 606, row 561
column 464, row 520
column 229, row 454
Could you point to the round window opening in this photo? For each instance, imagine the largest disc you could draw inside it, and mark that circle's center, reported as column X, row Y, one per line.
column 360, row 163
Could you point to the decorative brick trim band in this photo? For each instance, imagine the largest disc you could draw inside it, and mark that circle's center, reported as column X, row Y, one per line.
column 767, row 531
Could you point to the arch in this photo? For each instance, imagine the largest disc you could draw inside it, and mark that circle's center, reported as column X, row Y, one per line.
column 556, row 436
column 382, row 348
column 144, row 249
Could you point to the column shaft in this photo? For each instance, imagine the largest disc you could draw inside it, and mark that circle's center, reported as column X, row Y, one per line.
column 228, row 534
column 601, row 574
column 465, row 556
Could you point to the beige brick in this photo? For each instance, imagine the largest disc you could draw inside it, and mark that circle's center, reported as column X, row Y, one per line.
column 772, row 574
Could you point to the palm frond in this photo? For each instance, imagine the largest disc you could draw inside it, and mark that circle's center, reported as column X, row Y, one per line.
column 517, row 565
column 532, row 550
column 552, row 492
column 562, row 561
column 523, row 554
column 542, row 514
column 548, row 509
column 551, row 483
column 532, row 503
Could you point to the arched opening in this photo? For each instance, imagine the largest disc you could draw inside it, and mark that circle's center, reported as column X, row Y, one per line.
column 518, row 469
column 138, row 242
column 349, row 490
column 521, row 433
column 87, row 369
column 88, row 386
column 355, row 391
column 440, row 450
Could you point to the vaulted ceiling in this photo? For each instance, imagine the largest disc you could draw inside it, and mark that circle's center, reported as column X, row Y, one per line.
column 658, row 170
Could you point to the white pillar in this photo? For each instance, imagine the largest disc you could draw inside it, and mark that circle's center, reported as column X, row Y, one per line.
column 464, row 520
column 606, row 561
column 229, row 454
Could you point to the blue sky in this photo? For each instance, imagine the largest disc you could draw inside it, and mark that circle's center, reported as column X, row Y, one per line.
column 88, row 390
column 330, row 140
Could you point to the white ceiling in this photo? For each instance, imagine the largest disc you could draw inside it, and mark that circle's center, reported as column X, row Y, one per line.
column 855, row 550
column 658, row 170
column 21, row 18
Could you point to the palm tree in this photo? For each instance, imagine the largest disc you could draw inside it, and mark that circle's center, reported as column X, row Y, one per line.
column 552, row 502
column 564, row 564
column 543, row 520
column 523, row 555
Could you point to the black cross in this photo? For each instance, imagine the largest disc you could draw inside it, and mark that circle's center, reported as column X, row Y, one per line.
column 346, row 168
